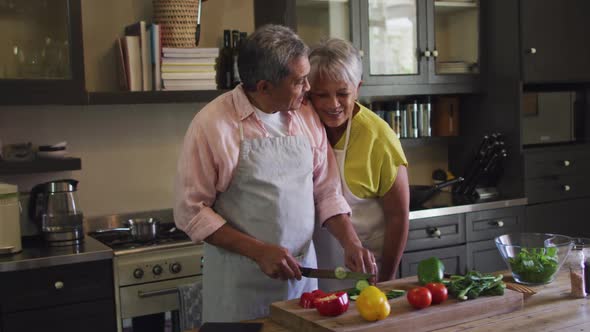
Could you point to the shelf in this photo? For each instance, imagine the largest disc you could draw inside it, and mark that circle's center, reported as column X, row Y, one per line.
column 150, row 97
column 40, row 165
column 412, row 142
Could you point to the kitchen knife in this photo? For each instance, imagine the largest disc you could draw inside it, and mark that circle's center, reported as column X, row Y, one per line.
column 198, row 30
column 329, row 274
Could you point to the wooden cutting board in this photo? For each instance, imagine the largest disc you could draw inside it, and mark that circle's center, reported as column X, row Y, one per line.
column 403, row 317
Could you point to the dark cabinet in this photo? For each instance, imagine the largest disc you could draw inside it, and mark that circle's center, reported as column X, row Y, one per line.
column 568, row 217
column 42, row 59
column 71, row 297
column 554, row 40
column 454, row 259
column 483, row 256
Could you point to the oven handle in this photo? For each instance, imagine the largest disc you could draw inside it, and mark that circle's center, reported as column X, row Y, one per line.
column 157, row 292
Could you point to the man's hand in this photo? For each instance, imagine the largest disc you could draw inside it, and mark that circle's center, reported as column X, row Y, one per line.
column 359, row 259
column 277, row 263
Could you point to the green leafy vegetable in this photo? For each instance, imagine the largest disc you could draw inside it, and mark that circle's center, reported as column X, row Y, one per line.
column 536, row 265
column 475, row 284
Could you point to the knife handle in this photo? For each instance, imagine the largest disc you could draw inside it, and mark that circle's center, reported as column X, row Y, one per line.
column 305, row 271
column 197, row 34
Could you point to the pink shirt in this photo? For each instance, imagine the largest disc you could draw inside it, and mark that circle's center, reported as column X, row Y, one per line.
column 210, row 153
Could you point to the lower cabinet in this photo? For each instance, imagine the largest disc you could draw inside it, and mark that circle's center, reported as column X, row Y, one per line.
column 71, row 297
column 454, row 259
column 462, row 242
column 569, row 217
column 483, row 256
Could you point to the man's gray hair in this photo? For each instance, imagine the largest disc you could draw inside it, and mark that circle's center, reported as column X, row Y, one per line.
column 336, row 59
column 266, row 55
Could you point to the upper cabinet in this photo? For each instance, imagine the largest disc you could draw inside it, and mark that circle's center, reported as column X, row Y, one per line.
column 554, row 41
column 419, row 41
column 408, row 46
column 41, row 59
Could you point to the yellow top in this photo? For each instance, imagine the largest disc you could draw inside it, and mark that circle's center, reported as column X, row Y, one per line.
column 373, row 156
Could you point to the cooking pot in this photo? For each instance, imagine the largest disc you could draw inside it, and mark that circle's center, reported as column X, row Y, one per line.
column 140, row 229
column 419, row 194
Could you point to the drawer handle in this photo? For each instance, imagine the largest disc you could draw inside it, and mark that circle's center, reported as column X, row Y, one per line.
column 157, row 292
column 434, row 232
column 566, row 187
column 58, row 285
column 498, row 223
column 566, row 163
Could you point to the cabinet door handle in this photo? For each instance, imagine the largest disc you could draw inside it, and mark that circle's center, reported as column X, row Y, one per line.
column 434, row 232
column 58, row 285
column 426, row 54
column 566, row 187
column 532, row 50
column 498, row 223
column 566, row 163
column 435, row 53
column 361, row 53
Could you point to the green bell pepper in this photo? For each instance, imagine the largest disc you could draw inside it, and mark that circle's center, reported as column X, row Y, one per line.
column 430, row 270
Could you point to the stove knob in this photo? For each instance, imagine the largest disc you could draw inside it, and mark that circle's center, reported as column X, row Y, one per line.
column 138, row 273
column 157, row 270
column 175, row 268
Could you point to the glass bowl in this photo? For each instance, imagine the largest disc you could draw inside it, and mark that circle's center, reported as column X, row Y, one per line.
column 534, row 258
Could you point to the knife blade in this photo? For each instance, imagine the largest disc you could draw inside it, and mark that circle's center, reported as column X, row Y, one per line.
column 329, row 274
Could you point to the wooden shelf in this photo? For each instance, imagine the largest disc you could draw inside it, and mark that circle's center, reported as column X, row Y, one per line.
column 40, row 165
column 452, row 7
column 151, row 97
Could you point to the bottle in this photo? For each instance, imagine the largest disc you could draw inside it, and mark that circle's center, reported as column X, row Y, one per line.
column 235, row 35
column 577, row 271
column 226, row 62
column 425, row 128
column 397, row 119
column 412, row 116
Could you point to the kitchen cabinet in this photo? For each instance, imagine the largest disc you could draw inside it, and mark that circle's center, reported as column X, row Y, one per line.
column 567, row 217
column 419, row 41
column 408, row 46
column 463, row 241
column 41, row 59
column 553, row 38
column 72, row 297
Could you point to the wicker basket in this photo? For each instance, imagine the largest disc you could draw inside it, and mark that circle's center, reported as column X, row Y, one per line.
column 178, row 22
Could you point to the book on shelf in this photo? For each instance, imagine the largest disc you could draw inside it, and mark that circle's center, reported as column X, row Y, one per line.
column 187, row 55
column 194, row 75
column 121, row 67
column 189, row 61
column 192, row 50
column 140, row 29
column 187, row 68
column 156, row 56
column 132, row 61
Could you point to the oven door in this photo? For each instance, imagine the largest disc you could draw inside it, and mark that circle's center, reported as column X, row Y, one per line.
column 152, row 298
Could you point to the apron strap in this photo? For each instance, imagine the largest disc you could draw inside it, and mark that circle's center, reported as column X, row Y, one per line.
column 241, row 131
column 346, row 140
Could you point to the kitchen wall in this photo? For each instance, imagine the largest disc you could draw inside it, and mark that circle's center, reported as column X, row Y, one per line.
column 129, row 152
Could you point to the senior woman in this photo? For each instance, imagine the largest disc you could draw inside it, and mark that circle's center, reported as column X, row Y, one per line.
column 372, row 163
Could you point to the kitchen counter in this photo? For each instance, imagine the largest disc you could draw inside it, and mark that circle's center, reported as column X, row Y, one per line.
column 36, row 254
column 550, row 309
column 444, row 203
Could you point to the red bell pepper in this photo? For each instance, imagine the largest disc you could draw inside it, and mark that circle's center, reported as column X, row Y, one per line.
column 332, row 304
column 307, row 298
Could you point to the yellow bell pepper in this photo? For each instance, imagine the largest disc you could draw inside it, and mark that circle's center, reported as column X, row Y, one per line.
column 372, row 304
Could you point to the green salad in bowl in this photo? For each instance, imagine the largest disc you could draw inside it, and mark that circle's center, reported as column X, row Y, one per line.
column 534, row 258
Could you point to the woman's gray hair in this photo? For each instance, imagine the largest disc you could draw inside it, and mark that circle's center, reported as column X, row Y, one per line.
column 266, row 55
column 336, row 59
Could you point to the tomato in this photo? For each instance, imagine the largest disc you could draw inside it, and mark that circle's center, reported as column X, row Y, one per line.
column 438, row 291
column 332, row 304
column 372, row 304
column 419, row 297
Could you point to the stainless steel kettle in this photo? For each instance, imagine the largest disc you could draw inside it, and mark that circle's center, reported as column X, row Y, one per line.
column 54, row 208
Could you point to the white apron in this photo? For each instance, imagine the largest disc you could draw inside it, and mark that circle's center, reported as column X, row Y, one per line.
column 271, row 199
column 368, row 220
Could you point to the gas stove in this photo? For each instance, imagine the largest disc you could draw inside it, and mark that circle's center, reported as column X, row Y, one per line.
column 148, row 274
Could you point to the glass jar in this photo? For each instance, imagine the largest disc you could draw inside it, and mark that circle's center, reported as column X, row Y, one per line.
column 580, row 267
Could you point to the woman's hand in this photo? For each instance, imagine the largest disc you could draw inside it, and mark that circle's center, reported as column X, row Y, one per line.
column 277, row 263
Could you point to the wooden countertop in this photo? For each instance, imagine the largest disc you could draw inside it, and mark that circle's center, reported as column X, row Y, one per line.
column 551, row 309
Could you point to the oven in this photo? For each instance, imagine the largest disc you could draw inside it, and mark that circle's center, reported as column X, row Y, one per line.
column 147, row 275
